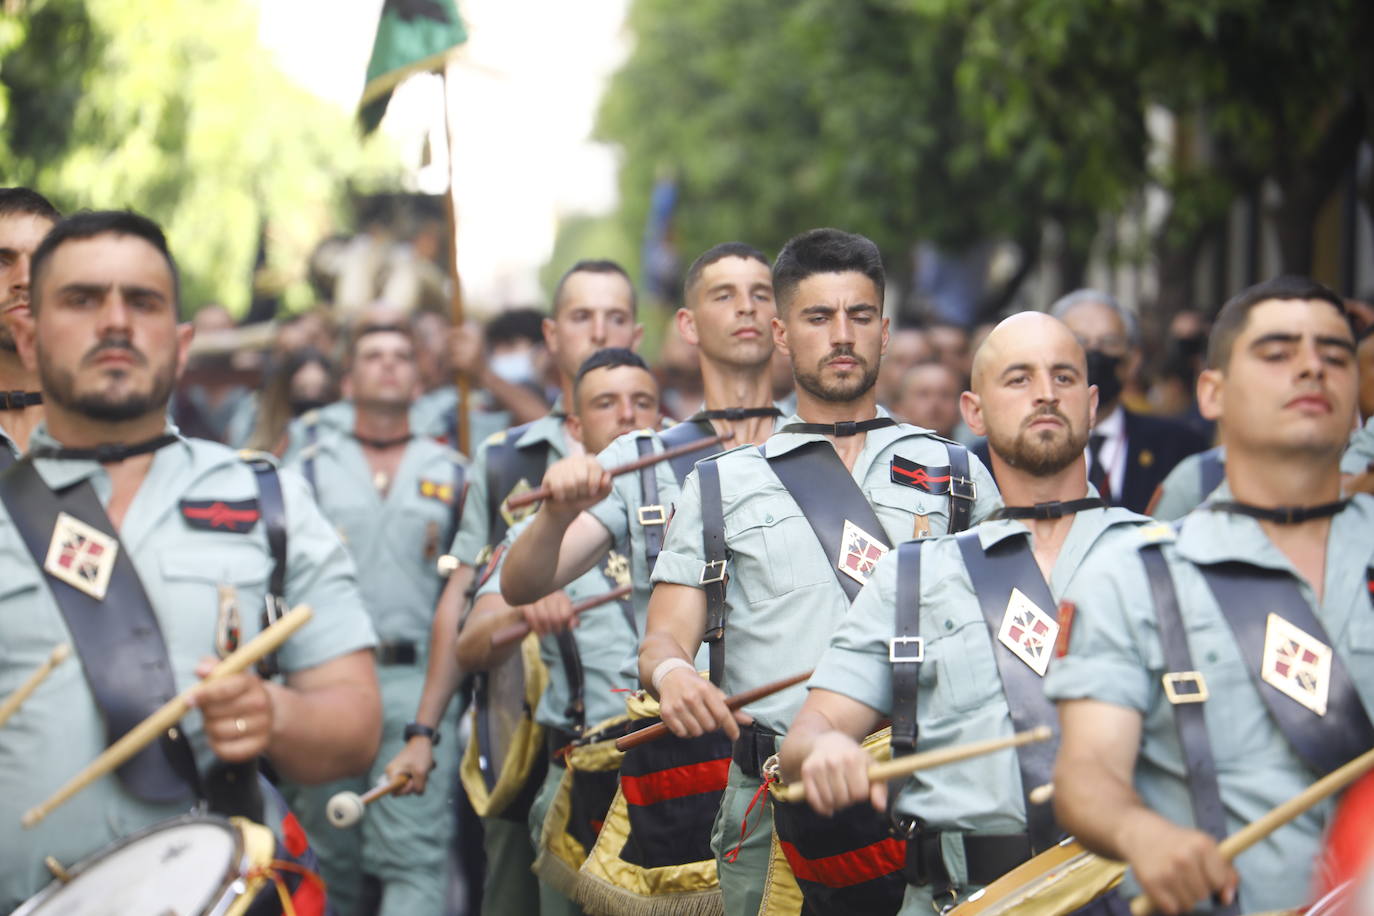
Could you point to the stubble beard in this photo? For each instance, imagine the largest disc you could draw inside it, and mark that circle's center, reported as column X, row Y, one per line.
column 1040, row 453
column 840, row 391
column 59, row 387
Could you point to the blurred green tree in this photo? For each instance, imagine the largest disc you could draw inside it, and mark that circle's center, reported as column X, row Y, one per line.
column 174, row 109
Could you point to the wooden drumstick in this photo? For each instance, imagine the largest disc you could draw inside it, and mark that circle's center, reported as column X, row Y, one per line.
column 1041, row 794
column 346, row 808
column 905, row 766
column 518, row 631
column 16, row 699
column 538, row 493
column 1276, row 817
column 148, row 731
column 743, row 698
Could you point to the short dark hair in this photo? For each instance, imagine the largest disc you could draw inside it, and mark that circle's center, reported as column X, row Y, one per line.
column 27, row 201
column 718, row 253
column 88, row 224
column 608, row 358
column 595, row 267
column 825, row 251
column 363, row 330
column 514, row 325
column 1234, row 314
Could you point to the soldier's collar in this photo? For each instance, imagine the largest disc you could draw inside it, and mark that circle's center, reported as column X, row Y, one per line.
column 18, row 400
column 106, row 452
column 734, row 413
column 1049, row 510
column 1279, row 515
column 383, row 444
column 845, row 428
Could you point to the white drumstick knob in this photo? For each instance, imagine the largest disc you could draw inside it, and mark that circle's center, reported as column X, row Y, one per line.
column 344, row 810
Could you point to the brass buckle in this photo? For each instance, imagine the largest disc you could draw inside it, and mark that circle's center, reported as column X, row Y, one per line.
column 652, row 515
column 718, row 576
column 1174, row 679
column 896, row 641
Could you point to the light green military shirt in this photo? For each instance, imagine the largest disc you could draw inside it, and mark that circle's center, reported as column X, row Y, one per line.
column 431, row 413
column 314, row 425
column 603, row 634
column 475, row 532
column 1115, row 657
column 183, row 569
column 961, row 697
column 394, row 537
column 1181, row 491
column 619, row 512
column 783, row 600
column 1359, row 455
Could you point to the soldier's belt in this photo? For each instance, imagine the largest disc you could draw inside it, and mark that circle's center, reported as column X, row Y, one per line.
column 753, row 748
column 397, row 653
column 987, row 857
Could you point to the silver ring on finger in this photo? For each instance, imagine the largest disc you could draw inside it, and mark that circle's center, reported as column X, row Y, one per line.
column 241, row 725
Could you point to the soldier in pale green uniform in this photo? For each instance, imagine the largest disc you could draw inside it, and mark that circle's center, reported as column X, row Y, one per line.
column 1031, row 397
column 1281, row 384
column 594, row 307
column 1359, row 455
column 193, row 519
column 393, row 497
column 25, row 217
column 1190, row 482
column 728, row 296
column 614, row 392
column 785, row 595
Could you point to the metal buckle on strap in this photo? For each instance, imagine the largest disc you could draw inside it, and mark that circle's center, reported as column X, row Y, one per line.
column 652, row 515
column 963, row 488
column 717, row 576
column 1173, row 680
column 896, row 641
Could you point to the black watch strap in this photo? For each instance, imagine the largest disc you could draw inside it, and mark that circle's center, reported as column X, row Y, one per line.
column 415, row 729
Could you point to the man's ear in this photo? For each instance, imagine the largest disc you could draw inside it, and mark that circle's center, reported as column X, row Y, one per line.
column 1093, row 398
column 550, row 341
column 971, row 406
column 574, row 426
column 25, row 340
column 687, row 326
column 780, row 336
column 886, row 335
column 1210, row 401
column 186, row 332
column 638, row 338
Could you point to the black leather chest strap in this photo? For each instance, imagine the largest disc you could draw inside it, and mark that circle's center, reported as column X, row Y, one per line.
column 712, row 578
column 652, row 515
column 962, row 493
column 1010, row 565
column 273, row 508
column 1248, row 595
column 828, row 496
column 681, row 434
column 119, row 640
column 1186, row 691
column 906, row 651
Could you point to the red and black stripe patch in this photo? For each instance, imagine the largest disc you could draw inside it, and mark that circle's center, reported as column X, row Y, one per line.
column 927, row 480
column 849, row 863
column 672, row 790
column 236, row 516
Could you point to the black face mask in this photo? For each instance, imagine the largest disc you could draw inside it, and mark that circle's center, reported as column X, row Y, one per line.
column 1102, row 373
column 301, row 405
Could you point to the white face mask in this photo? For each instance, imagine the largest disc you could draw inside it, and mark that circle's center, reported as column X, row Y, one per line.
column 514, row 367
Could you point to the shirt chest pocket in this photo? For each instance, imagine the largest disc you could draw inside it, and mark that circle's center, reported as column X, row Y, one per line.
column 775, row 550
column 965, row 671
column 27, row 630
column 909, row 512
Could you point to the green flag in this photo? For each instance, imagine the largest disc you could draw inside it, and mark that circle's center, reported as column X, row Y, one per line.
column 413, row 36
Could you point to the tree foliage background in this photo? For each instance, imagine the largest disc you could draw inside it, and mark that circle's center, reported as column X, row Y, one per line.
column 172, row 108
column 954, row 121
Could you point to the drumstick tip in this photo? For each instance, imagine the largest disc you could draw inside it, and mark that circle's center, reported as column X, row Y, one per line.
column 60, row 653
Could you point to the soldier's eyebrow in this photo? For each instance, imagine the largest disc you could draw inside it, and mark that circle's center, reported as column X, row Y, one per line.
column 1323, row 340
column 1014, row 367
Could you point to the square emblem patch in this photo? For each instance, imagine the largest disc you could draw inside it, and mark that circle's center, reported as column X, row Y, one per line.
column 1028, row 632
column 81, row 556
column 1296, row 664
column 859, row 552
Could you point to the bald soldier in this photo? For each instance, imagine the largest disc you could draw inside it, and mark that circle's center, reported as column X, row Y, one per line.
column 1219, row 668
column 952, row 636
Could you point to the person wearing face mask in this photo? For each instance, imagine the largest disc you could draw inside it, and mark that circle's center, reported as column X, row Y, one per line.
column 1128, row 453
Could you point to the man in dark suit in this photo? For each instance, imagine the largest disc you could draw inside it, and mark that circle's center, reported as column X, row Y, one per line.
column 1128, row 453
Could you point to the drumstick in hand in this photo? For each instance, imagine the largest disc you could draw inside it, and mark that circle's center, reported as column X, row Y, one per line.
column 148, row 731
column 538, row 493
column 743, row 698
column 16, row 699
column 346, row 808
column 518, row 631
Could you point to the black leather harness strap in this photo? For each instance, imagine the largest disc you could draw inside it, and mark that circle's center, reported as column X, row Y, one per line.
column 1247, row 595
column 962, row 492
column 6, row 457
column 828, row 496
column 119, row 640
column 1009, row 564
column 1211, row 471
column 906, row 651
column 712, row 579
column 1186, row 689
column 684, row 432
column 273, row 509
column 652, row 514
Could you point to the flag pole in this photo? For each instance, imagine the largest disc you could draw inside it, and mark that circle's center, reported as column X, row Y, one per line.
column 456, row 293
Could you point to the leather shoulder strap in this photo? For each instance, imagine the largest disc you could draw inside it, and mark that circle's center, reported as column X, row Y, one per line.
column 962, row 493
column 119, row 639
column 455, row 509
column 828, row 496
column 994, row 573
column 1248, row 597
column 681, row 434
column 1183, row 687
column 713, row 579
column 273, row 508
column 6, row 457
column 507, row 465
column 907, row 650
column 651, row 512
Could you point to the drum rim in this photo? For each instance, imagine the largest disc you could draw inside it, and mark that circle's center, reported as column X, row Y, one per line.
column 217, row 904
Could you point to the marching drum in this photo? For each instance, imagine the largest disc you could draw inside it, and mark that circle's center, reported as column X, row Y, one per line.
column 195, row 865
column 503, row 764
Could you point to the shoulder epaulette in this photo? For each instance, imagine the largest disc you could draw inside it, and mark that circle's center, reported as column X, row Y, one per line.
column 252, row 454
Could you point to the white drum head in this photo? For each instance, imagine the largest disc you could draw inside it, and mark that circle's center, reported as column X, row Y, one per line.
column 181, row 867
